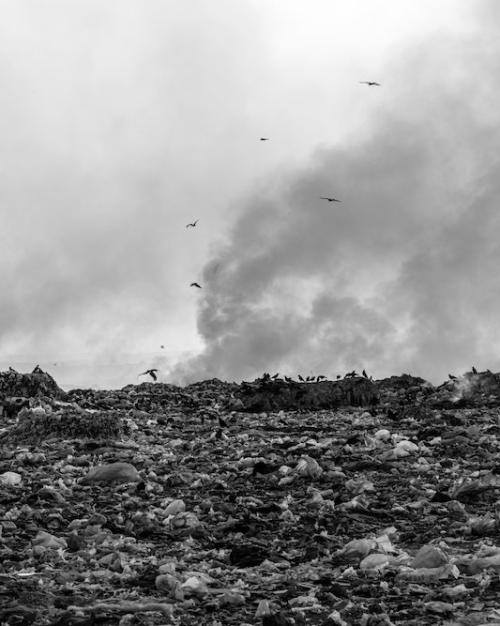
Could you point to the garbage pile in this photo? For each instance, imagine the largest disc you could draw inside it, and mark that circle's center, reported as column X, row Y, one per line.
column 157, row 504
column 268, row 394
column 470, row 390
column 36, row 384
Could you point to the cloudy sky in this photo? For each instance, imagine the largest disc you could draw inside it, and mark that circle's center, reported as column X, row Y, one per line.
column 123, row 121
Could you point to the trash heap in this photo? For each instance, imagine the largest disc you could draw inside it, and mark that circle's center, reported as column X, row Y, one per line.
column 157, row 504
column 36, row 384
column 268, row 394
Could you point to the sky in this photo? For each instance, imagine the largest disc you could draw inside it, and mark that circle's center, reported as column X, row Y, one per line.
column 121, row 122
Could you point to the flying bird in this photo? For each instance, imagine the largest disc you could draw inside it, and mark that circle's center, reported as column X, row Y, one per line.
column 162, row 347
column 370, row 83
column 192, row 224
column 151, row 372
column 329, row 199
column 264, row 139
column 195, row 285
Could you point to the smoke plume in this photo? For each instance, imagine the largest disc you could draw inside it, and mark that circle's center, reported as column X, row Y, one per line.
column 399, row 276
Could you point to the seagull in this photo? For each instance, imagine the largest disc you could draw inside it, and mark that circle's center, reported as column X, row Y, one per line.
column 195, row 285
column 192, row 224
column 474, row 370
column 451, row 377
column 370, row 83
column 301, row 378
column 365, row 374
column 320, row 377
column 330, row 199
column 264, row 139
column 151, row 372
column 275, row 376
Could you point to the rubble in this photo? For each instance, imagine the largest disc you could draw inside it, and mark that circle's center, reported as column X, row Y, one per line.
column 268, row 502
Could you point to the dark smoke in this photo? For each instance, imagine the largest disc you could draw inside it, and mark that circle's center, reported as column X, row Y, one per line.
column 400, row 276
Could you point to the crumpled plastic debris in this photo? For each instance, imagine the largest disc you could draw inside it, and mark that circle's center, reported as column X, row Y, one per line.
column 12, row 479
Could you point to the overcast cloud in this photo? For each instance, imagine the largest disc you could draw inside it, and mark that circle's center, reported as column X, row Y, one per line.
column 121, row 122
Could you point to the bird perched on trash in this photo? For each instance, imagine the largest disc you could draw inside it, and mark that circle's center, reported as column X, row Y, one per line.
column 288, row 379
column 151, row 372
column 301, row 378
column 275, row 376
column 192, row 224
column 451, row 377
column 328, row 199
column 370, row 83
column 195, row 285
column 364, row 373
column 474, row 370
column 320, row 377
column 309, row 379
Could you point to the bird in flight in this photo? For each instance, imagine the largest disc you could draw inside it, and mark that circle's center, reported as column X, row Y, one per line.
column 151, row 372
column 264, row 139
column 370, row 83
column 192, row 224
column 329, row 199
column 195, row 285
column 162, row 347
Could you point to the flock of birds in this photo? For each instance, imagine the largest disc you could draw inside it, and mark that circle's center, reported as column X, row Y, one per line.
column 153, row 371
column 312, row 379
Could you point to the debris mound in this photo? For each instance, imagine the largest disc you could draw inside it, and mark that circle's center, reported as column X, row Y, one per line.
column 267, row 394
column 39, row 424
column 471, row 390
column 36, row 384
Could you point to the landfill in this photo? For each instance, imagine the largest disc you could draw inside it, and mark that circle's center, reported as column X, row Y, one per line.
column 268, row 502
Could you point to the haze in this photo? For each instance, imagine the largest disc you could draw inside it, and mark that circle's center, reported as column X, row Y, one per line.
column 122, row 122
